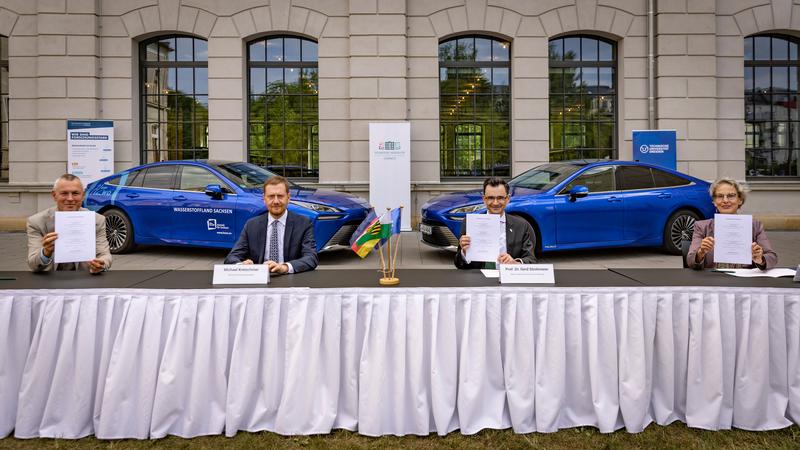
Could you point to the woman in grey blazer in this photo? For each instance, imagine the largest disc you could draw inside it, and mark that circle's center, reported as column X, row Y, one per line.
column 728, row 196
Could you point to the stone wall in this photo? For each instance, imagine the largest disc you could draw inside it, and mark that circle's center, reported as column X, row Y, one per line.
column 72, row 59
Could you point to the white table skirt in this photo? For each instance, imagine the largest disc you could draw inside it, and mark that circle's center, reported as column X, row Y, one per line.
column 135, row 363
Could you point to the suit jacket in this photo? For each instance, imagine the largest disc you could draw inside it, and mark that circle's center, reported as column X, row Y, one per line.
column 520, row 241
column 299, row 247
column 43, row 222
column 705, row 228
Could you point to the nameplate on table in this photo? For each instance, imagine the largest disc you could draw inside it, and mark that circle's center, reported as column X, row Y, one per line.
column 527, row 273
column 241, row 274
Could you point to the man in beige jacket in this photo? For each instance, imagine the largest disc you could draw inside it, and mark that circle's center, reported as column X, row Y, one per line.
column 68, row 196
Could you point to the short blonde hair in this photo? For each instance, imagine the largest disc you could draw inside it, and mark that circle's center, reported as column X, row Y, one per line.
column 741, row 189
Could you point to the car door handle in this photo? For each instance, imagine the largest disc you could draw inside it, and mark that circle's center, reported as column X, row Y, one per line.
column 664, row 195
column 614, row 199
column 132, row 195
column 179, row 198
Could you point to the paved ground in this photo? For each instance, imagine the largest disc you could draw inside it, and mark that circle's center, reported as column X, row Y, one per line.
column 412, row 254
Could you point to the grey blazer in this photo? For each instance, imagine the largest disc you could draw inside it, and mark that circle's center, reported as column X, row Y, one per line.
column 43, row 222
column 705, row 228
column 520, row 241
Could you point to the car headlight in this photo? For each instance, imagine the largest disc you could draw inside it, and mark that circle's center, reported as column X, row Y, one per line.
column 315, row 206
column 468, row 209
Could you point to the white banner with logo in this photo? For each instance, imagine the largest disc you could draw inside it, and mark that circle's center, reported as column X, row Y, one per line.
column 90, row 149
column 390, row 168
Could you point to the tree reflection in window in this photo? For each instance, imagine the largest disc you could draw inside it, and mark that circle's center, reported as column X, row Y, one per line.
column 174, row 98
column 283, row 112
column 474, row 101
column 583, row 98
column 772, row 126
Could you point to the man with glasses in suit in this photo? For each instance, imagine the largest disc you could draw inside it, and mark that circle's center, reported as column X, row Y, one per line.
column 516, row 244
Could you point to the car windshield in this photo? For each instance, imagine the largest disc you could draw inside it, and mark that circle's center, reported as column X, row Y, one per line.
column 247, row 175
column 545, row 176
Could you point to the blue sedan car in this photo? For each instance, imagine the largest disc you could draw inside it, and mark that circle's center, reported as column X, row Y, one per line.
column 206, row 204
column 586, row 204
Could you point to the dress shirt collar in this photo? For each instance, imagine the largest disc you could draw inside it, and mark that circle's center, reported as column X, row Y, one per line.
column 502, row 217
column 281, row 219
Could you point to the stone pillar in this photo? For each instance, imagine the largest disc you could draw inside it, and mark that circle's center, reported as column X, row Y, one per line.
column 226, row 92
column 378, row 76
column 334, row 105
column 687, row 83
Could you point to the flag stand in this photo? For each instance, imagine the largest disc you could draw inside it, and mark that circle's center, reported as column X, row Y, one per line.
column 389, row 278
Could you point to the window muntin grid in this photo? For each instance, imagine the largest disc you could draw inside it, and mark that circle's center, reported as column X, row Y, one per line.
column 583, row 98
column 174, row 98
column 772, row 125
column 474, row 107
column 283, row 111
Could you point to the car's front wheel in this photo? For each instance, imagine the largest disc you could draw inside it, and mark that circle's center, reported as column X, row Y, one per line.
column 119, row 231
column 679, row 227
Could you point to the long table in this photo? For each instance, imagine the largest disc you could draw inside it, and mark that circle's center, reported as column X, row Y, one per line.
column 144, row 354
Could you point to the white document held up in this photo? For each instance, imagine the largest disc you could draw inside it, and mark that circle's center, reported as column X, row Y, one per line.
column 733, row 238
column 76, row 236
column 484, row 231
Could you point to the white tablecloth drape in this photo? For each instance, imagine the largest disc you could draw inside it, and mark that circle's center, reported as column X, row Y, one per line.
column 145, row 363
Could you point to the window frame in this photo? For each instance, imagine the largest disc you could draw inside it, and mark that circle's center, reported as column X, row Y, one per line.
column 613, row 64
column 474, row 120
column 144, row 124
column 5, row 153
column 313, row 129
column 750, row 100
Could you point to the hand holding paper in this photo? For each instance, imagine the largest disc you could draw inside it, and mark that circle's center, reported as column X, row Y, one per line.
column 484, row 237
column 75, row 241
column 733, row 239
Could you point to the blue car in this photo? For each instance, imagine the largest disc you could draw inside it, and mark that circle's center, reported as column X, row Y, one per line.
column 206, row 204
column 586, row 204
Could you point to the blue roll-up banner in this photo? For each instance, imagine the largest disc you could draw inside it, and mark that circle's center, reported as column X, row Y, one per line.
column 657, row 147
column 90, row 149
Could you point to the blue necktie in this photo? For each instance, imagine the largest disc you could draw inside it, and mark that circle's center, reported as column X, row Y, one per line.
column 273, row 242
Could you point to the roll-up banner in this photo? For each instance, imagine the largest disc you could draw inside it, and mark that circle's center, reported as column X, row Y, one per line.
column 90, row 149
column 390, row 168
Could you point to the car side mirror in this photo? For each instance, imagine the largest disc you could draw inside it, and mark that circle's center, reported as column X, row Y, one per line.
column 214, row 191
column 577, row 192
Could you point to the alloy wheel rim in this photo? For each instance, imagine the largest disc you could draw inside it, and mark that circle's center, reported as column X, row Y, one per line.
column 116, row 232
column 683, row 223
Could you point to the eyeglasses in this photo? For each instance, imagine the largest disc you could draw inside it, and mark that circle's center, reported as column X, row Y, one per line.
column 726, row 196
column 492, row 199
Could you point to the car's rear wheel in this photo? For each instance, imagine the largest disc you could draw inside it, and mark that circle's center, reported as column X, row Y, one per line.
column 679, row 226
column 119, row 231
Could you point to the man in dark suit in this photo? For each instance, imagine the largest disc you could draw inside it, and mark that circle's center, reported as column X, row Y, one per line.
column 516, row 246
column 282, row 240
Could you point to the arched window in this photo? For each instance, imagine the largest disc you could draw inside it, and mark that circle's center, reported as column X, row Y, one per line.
column 583, row 98
column 174, row 98
column 3, row 108
column 283, row 110
column 474, row 101
column 772, row 126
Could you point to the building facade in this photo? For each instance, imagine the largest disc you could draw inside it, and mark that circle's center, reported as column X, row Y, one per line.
column 490, row 87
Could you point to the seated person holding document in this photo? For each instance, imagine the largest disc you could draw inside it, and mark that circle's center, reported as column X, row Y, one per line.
column 68, row 194
column 516, row 244
column 282, row 240
column 728, row 196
